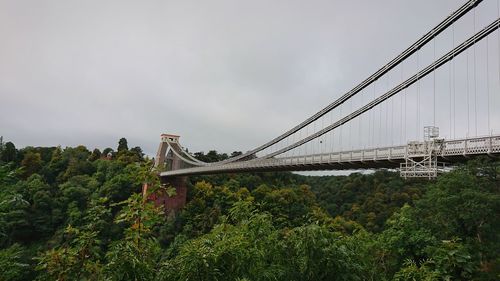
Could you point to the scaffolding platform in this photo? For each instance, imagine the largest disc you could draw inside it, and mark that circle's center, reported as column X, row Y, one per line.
column 421, row 156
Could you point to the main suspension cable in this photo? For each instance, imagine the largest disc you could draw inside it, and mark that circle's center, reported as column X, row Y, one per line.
column 410, row 81
column 488, row 81
column 434, row 86
column 475, row 76
column 460, row 12
column 418, row 98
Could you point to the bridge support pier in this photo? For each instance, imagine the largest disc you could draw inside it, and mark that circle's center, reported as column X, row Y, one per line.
column 165, row 158
column 172, row 204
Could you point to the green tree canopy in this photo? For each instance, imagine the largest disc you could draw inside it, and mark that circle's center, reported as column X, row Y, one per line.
column 8, row 153
column 122, row 145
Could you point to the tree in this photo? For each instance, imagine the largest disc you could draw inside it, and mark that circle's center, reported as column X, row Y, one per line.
column 8, row 153
column 96, row 154
column 55, row 167
column 212, row 156
column 289, row 206
column 465, row 204
column 13, row 268
column 77, row 162
column 8, row 175
column 14, row 217
column 106, row 151
column 248, row 226
column 138, row 152
column 236, row 153
column 76, row 193
column 31, row 163
column 79, row 257
column 119, row 187
column 135, row 257
column 247, row 245
column 404, row 239
column 248, row 249
column 449, row 261
column 122, row 145
column 452, row 232
column 313, row 252
column 41, row 198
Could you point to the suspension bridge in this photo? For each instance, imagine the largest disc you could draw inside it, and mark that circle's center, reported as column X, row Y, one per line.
column 435, row 104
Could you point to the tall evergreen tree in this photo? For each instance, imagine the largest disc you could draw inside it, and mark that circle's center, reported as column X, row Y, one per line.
column 9, row 152
column 122, row 145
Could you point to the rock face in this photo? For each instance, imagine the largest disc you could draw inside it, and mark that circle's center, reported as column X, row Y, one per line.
column 171, row 204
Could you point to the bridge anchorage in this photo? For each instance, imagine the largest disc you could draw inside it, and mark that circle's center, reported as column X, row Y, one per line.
column 454, row 88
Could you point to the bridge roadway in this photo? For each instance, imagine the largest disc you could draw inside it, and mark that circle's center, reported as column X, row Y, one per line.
column 455, row 151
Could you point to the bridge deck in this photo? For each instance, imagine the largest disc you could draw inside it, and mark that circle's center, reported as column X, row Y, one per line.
column 388, row 157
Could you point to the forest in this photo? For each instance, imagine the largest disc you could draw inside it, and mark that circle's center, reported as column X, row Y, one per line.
column 78, row 214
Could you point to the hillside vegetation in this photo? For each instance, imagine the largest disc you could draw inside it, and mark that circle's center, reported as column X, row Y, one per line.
column 75, row 214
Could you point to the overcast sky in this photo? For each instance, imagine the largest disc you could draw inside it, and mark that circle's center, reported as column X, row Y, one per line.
column 225, row 75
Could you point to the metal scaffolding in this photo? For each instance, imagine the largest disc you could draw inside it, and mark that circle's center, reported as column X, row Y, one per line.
column 421, row 156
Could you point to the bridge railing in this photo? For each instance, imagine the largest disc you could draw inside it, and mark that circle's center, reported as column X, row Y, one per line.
column 452, row 148
column 481, row 145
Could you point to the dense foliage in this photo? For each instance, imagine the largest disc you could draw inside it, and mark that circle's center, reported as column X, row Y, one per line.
column 75, row 214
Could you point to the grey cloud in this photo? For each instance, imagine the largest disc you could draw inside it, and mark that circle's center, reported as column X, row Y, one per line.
column 225, row 75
